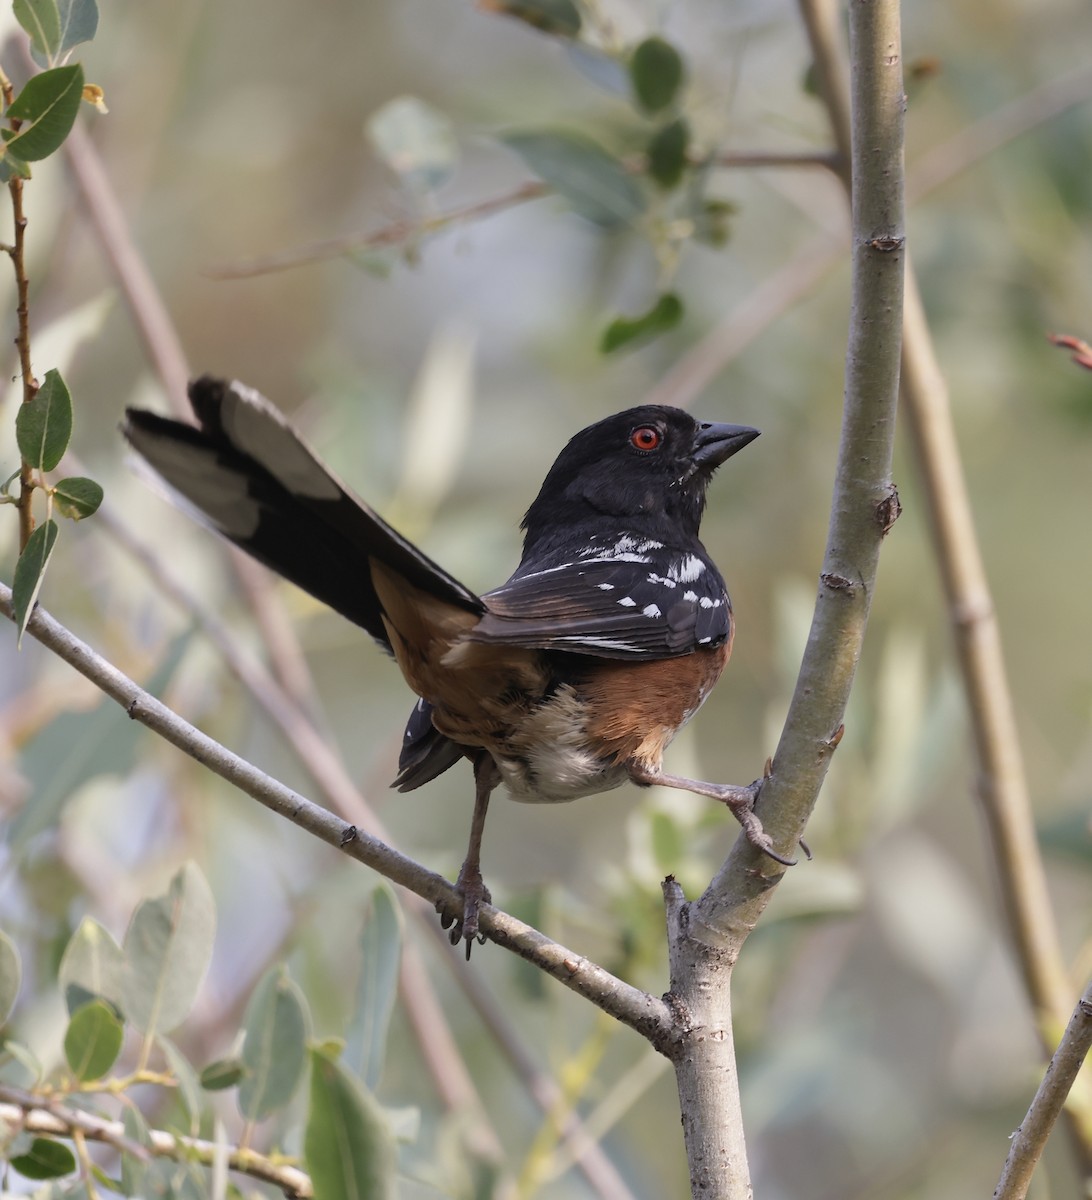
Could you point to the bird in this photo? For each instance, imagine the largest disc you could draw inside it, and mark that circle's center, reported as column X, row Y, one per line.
column 570, row 679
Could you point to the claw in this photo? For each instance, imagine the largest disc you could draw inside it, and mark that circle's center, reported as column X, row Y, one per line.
column 742, row 805
column 471, row 887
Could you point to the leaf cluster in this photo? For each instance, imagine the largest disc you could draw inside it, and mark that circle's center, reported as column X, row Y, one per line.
column 652, row 179
column 124, row 1001
column 34, row 125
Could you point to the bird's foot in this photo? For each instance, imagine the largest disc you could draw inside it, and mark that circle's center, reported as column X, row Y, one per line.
column 741, row 801
column 471, row 887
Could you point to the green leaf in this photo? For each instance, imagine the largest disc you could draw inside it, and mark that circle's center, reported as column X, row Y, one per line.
column 79, row 21
column 15, row 1055
column 348, row 1150
column 164, row 1179
column 30, row 572
column 550, row 16
column 46, row 1159
column 47, row 107
column 11, row 975
column 416, row 141
column 665, row 314
column 189, row 1086
column 77, row 497
column 594, row 182
column 222, row 1074
column 600, row 68
column 42, row 20
column 132, row 1168
column 377, row 989
column 92, row 1041
column 167, row 950
column 91, row 967
column 657, row 72
column 667, row 153
column 80, row 746
column 43, row 426
column 13, row 167
column 274, row 1048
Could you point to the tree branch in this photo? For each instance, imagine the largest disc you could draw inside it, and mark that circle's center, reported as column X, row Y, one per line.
column 696, row 369
column 424, row 1011
column 646, row 1014
column 411, row 231
column 25, row 1110
column 17, row 253
column 1030, row 1139
column 1002, row 791
column 706, row 936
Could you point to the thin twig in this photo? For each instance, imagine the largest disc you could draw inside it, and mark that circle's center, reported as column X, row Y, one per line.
column 17, row 253
column 397, row 233
column 1005, row 124
column 100, row 203
column 410, row 232
column 25, row 1110
column 1030, row 1139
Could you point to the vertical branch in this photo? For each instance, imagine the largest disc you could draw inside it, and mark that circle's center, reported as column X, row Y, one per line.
column 17, row 253
column 1002, row 788
column 706, row 936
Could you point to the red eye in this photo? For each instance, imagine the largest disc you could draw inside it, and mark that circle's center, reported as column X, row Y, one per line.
column 646, row 437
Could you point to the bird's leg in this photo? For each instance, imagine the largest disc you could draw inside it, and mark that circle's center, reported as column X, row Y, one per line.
column 470, row 884
column 741, row 800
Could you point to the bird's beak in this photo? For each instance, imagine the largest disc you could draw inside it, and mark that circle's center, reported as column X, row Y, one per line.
column 714, row 443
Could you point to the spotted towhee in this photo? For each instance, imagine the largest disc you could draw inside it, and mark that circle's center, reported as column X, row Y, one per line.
column 571, row 678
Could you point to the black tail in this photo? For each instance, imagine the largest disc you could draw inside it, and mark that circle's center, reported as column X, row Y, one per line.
column 249, row 474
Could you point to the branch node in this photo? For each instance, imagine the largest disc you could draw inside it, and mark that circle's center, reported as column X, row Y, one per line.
column 888, row 510
column 837, row 583
column 886, row 244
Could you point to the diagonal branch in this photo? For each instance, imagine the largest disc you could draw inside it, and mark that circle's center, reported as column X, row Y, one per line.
column 646, row 1014
column 25, row 1110
column 1030, row 1139
column 423, row 1008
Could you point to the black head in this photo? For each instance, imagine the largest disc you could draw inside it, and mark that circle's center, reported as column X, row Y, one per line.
column 646, row 468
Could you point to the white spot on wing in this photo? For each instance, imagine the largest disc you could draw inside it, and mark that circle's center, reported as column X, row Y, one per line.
column 651, row 610
column 687, row 569
column 690, row 595
column 625, row 549
column 661, row 579
column 604, row 643
column 628, row 602
column 548, row 571
column 605, row 587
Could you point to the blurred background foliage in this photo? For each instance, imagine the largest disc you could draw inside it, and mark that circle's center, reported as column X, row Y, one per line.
column 886, row 1047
